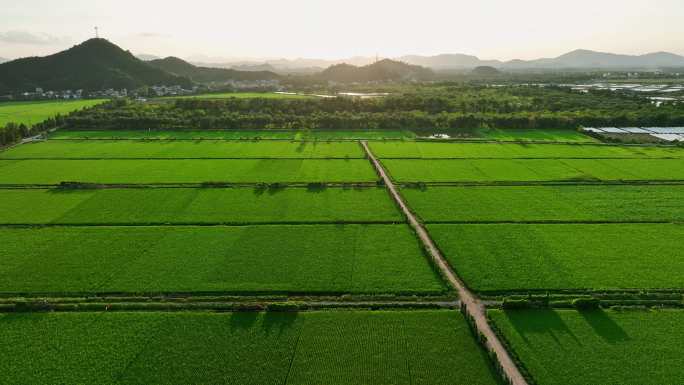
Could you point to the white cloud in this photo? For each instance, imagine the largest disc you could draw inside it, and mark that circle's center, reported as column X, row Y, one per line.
column 490, row 29
column 152, row 35
column 30, row 38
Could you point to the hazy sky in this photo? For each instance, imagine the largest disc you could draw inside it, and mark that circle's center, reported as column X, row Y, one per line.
column 490, row 29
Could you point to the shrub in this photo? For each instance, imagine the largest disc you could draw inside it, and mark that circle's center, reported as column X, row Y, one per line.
column 510, row 304
column 215, row 184
column 586, row 303
column 316, row 186
column 284, row 306
column 77, row 185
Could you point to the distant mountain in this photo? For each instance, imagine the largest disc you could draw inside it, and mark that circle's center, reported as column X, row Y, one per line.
column 92, row 65
column 281, row 66
column 254, row 67
column 380, row 71
column 579, row 59
column 591, row 59
column 3, row 60
column 449, row 61
column 197, row 74
column 146, row 57
column 319, row 63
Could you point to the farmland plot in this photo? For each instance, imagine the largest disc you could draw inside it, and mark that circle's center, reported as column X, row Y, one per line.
column 35, row 112
column 133, row 171
column 420, row 347
column 615, row 203
column 242, row 259
column 195, row 206
column 520, row 257
column 547, row 134
column 566, row 347
column 267, row 134
column 418, row 149
column 203, row 149
column 533, row 170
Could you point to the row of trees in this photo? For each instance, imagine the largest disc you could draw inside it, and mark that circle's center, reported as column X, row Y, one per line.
column 388, row 113
column 433, row 100
column 14, row 132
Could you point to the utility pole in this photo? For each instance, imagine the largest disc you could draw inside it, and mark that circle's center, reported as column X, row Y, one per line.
column 97, row 33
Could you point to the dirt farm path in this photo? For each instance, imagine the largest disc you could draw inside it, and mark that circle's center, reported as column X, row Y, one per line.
column 473, row 305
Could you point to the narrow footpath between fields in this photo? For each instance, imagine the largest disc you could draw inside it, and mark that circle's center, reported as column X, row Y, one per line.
column 473, row 305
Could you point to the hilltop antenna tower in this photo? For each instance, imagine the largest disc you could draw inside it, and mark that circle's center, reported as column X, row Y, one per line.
column 97, row 32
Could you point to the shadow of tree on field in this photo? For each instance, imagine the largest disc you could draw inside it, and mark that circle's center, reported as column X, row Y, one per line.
column 279, row 322
column 540, row 322
column 604, row 326
column 243, row 320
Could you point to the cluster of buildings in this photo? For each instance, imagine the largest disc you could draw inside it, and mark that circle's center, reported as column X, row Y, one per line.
column 152, row 91
column 109, row 93
column 42, row 94
column 252, row 84
column 170, row 91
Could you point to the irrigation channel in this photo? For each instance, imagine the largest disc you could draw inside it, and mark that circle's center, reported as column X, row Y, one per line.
column 471, row 303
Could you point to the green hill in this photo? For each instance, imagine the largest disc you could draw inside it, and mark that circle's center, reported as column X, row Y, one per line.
column 383, row 70
column 197, row 74
column 92, row 65
column 485, row 71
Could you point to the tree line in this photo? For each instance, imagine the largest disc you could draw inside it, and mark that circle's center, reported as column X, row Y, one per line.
column 14, row 132
column 454, row 108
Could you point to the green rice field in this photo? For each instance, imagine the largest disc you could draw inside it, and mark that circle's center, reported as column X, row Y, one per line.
column 212, row 217
column 241, row 259
column 520, row 257
column 547, row 134
column 195, row 205
column 461, row 150
column 614, row 203
column 48, row 172
column 534, row 170
column 31, row 113
column 205, row 149
column 334, row 347
column 267, row 134
column 567, row 347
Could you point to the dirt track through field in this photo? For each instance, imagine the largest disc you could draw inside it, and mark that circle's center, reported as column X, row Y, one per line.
column 474, row 307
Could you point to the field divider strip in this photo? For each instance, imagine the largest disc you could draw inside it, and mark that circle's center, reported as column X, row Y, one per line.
column 37, row 304
column 198, row 224
column 541, row 141
column 530, row 157
column 199, row 139
column 578, row 291
column 347, row 184
column 471, row 304
column 553, row 222
column 185, row 158
column 504, row 183
column 267, row 186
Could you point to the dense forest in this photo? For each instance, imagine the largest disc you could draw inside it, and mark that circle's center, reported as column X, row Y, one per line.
column 444, row 107
column 455, row 108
